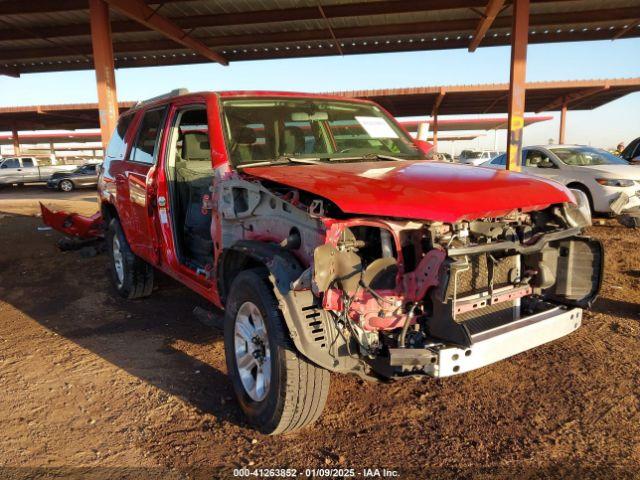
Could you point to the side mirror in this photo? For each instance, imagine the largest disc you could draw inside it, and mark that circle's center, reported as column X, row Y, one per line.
column 4, row 165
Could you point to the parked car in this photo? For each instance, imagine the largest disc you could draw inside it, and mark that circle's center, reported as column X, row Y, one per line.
column 84, row 176
column 469, row 157
column 632, row 153
column 23, row 170
column 333, row 251
column 443, row 157
column 602, row 176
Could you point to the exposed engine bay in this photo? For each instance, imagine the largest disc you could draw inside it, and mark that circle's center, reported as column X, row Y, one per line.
column 384, row 295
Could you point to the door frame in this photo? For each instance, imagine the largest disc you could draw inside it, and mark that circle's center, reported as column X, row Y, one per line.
column 164, row 223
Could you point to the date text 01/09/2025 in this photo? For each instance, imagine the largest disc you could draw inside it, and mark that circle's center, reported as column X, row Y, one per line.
column 316, row 473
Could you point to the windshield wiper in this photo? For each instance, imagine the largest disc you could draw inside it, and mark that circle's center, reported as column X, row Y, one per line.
column 283, row 160
column 368, row 156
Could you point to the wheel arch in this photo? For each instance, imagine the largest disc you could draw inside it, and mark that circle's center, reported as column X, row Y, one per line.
column 247, row 254
column 583, row 188
column 109, row 212
column 310, row 327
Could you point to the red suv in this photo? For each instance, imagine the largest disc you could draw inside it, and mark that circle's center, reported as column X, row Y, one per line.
column 333, row 246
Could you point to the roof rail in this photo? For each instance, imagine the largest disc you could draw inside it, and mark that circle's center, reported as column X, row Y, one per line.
column 173, row 93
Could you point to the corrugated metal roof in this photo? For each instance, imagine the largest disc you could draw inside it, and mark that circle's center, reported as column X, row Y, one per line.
column 401, row 102
column 492, row 98
column 44, row 35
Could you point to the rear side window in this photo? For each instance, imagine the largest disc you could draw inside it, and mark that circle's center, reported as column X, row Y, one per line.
column 145, row 147
column 117, row 147
column 27, row 162
column 11, row 163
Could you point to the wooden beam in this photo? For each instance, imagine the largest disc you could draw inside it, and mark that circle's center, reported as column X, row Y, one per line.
column 563, row 122
column 498, row 99
column 68, row 116
column 626, row 29
column 140, row 12
column 331, row 32
column 438, row 101
column 517, row 85
column 10, row 72
column 573, row 98
column 103, row 64
column 490, row 13
column 434, row 116
column 15, row 138
column 434, row 125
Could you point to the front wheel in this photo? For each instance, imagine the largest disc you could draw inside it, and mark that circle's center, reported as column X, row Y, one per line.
column 66, row 185
column 278, row 389
column 132, row 277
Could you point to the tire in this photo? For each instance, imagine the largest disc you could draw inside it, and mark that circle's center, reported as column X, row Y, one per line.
column 132, row 277
column 296, row 390
column 66, row 186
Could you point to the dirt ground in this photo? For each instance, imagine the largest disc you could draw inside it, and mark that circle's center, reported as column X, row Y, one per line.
column 94, row 386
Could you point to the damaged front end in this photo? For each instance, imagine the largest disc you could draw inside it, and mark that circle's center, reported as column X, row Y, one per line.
column 441, row 299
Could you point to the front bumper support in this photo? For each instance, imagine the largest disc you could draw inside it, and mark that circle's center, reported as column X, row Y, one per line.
column 489, row 346
column 502, row 342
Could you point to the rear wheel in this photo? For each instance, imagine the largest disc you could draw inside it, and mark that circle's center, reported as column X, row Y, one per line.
column 132, row 277
column 278, row 389
column 66, row 185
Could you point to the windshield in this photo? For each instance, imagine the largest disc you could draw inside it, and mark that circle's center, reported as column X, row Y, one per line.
column 586, row 156
column 269, row 129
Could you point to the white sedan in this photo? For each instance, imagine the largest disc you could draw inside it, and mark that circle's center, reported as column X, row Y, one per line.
column 607, row 180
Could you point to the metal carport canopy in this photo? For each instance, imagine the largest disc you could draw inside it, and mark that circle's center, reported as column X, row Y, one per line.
column 48, row 35
column 492, row 98
column 401, row 102
column 53, row 117
column 54, row 35
column 461, row 124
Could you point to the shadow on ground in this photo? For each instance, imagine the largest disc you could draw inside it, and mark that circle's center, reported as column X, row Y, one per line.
column 138, row 336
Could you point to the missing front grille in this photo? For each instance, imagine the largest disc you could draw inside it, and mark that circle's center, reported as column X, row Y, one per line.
column 471, row 277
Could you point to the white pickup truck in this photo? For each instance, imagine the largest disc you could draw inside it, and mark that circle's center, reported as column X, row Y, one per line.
column 22, row 170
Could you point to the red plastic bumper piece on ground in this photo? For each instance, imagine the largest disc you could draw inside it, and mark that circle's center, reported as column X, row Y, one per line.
column 73, row 224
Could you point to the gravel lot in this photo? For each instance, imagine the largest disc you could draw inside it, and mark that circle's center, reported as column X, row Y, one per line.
column 98, row 387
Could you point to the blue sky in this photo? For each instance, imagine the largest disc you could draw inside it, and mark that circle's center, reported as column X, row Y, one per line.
column 605, row 127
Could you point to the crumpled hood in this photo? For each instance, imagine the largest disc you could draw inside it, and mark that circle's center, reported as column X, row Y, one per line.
column 421, row 190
